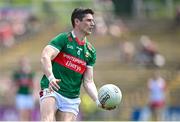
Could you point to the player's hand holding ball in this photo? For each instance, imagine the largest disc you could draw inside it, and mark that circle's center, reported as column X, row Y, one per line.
column 109, row 97
column 103, row 106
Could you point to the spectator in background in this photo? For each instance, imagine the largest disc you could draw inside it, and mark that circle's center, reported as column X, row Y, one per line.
column 23, row 80
column 6, row 34
column 101, row 26
column 117, row 28
column 18, row 27
column 157, row 96
column 127, row 51
column 147, row 52
column 14, row 24
column 33, row 24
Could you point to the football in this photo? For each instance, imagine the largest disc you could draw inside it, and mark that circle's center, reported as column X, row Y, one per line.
column 109, row 95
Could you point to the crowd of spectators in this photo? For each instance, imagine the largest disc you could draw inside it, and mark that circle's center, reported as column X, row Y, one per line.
column 15, row 23
column 144, row 52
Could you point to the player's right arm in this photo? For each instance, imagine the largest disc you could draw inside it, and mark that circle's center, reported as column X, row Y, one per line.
column 48, row 54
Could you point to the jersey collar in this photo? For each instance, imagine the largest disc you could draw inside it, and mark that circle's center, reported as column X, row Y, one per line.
column 77, row 39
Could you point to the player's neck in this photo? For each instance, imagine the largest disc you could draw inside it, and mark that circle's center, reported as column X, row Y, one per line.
column 79, row 35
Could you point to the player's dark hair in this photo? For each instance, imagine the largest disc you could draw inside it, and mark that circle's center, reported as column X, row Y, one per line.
column 79, row 13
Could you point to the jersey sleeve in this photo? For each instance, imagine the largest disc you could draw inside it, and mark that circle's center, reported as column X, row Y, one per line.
column 92, row 52
column 59, row 41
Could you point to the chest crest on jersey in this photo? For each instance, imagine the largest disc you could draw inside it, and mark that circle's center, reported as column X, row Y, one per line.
column 87, row 54
column 79, row 50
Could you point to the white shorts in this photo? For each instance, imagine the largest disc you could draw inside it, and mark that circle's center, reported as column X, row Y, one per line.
column 62, row 103
column 24, row 101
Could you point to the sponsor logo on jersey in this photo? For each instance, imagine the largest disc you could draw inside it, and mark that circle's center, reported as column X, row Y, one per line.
column 71, row 62
column 70, row 46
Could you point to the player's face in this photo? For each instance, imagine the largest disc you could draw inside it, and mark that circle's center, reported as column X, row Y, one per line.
column 87, row 24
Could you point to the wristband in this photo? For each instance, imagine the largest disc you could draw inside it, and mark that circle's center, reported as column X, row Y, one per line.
column 51, row 77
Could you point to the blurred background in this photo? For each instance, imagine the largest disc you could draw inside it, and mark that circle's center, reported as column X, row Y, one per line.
column 134, row 39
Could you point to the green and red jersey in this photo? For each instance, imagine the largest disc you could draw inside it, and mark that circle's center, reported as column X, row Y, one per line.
column 71, row 62
column 24, row 81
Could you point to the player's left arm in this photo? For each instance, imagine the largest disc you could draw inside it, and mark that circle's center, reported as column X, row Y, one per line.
column 90, row 87
column 88, row 78
column 89, row 84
